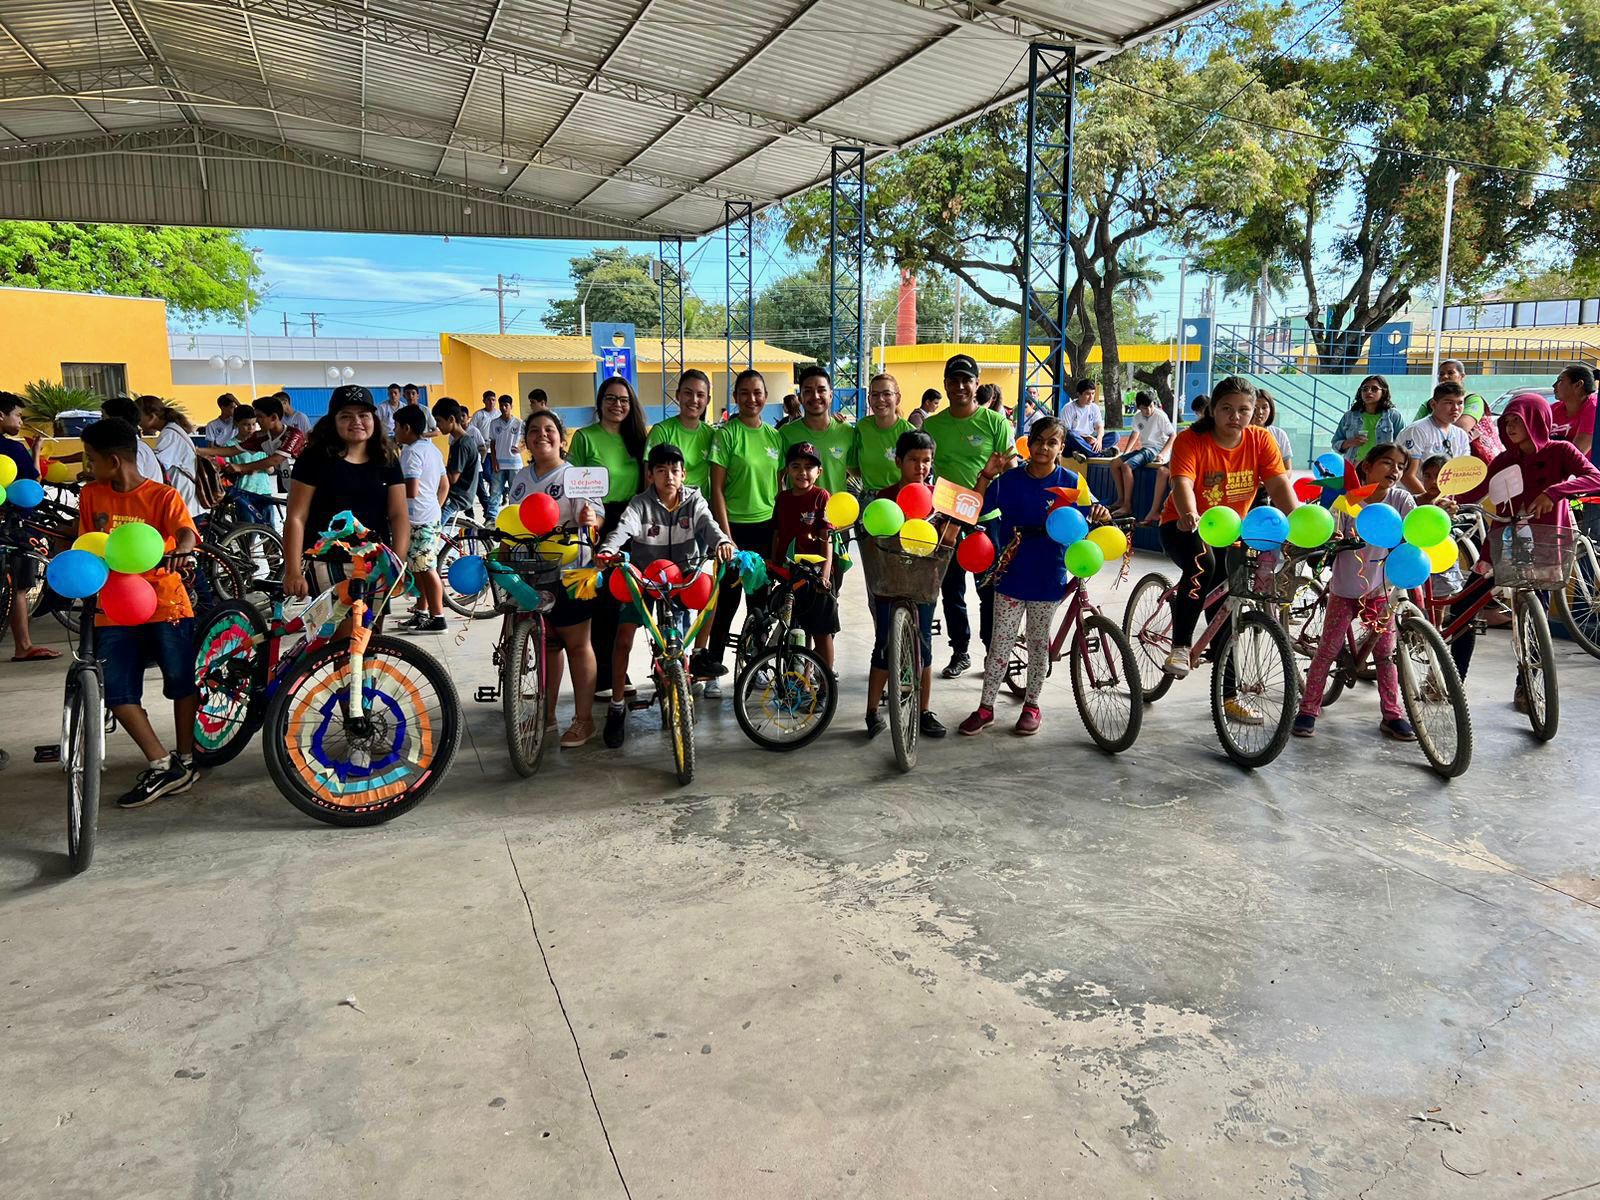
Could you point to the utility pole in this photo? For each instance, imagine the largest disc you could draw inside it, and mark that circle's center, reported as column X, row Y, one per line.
column 501, row 291
column 955, row 331
column 285, row 324
column 1450, row 177
column 312, row 316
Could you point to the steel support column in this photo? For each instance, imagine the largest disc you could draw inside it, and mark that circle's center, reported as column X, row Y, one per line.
column 847, row 255
column 1046, row 245
column 670, row 285
column 739, row 240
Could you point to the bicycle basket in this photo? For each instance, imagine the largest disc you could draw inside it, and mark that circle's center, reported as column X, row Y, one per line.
column 1532, row 556
column 892, row 574
column 1259, row 575
column 522, row 575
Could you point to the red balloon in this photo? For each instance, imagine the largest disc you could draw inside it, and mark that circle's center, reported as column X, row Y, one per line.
column 698, row 594
column 1307, row 491
column 617, row 583
column 915, row 500
column 663, row 571
column 539, row 513
column 127, row 599
column 976, row 553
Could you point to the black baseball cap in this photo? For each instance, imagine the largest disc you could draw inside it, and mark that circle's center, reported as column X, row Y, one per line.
column 802, row 450
column 664, row 454
column 350, row 395
column 960, row 364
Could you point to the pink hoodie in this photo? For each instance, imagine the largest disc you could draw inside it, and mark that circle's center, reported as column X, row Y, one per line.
column 1555, row 469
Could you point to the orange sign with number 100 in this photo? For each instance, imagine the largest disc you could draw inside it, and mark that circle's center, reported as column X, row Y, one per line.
column 959, row 503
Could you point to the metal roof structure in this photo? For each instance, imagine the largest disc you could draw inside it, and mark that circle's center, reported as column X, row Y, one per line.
column 553, row 347
column 516, row 118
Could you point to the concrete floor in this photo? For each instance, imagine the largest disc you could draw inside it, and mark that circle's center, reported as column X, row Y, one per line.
column 1025, row 970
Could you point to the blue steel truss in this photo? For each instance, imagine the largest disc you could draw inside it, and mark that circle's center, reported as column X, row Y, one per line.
column 670, row 255
column 847, row 257
column 739, row 240
column 1046, row 245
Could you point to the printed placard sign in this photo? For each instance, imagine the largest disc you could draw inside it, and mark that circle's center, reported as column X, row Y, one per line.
column 587, row 483
column 961, row 504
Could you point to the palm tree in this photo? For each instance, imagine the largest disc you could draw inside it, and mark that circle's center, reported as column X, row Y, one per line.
column 1139, row 274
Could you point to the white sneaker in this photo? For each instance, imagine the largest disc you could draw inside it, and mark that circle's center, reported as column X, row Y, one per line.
column 1178, row 663
column 713, row 689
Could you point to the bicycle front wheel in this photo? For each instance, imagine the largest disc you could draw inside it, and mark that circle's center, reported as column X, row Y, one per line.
column 1257, row 667
column 785, row 698
column 362, row 769
column 1148, row 623
column 1578, row 604
column 905, row 686
column 522, row 691
column 1435, row 700
column 258, row 549
column 82, row 753
column 1105, row 685
column 1536, row 666
column 470, row 542
column 230, row 667
column 674, row 682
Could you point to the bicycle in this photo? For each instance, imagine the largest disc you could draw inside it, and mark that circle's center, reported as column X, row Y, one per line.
column 468, row 540
column 255, row 548
column 1254, row 660
column 358, row 727
column 1577, row 606
column 82, row 749
column 785, row 696
column 905, row 581
column 1430, row 686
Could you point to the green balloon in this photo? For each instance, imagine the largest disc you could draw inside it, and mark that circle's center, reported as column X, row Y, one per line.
column 1085, row 558
column 134, row 549
column 1219, row 526
column 1426, row 525
column 883, row 518
column 1310, row 526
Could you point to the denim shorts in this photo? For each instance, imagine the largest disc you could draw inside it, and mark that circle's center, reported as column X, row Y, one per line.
column 882, row 611
column 1139, row 458
column 125, row 651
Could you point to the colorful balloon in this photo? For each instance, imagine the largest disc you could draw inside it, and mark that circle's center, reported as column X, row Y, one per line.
column 1022, row 447
column 94, row 543
column 918, row 537
column 469, row 575
column 24, row 493
column 74, row 574
column 842, row 510
column 134, row 549
column 1112, row 541
column 883, row 518
column 563, row 550
column 915, row 500
column 538, row 513
column 663, row 574
column 1379, row 525
column 617, row 583
column 1085, row 558
column 1220, row 525
column 1310, row 526
column 1328, row 466
column 1427, row 525
column 1442, row 555
column 1066, row 526
column 1407, row 566
column 509, row 520
column 1264, row 528
column 8, row 470
column 59, row 472
column 698, row 594
column 127, row 599
column 976, row 553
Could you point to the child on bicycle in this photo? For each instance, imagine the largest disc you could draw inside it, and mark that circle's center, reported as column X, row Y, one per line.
column 913, row 454
column 1031, row 575
column 120, row 495
column 799, row 526
column 252, row 488
column 1358, row 588
column 667, row 520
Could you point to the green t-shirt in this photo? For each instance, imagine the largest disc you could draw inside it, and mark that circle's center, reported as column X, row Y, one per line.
column 1369, row 426
column 1475, row 407
column 872, row 456
column 592, row 446
column 696, row 447
column 962, row 445
column 833, row 444
column 752, row 458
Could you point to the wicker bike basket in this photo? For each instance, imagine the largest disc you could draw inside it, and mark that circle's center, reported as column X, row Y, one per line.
column 1260, row 575
column 1532, row 556
column 522, row 574
column 892, row 574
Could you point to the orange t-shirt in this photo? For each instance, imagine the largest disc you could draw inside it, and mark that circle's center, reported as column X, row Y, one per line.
column 101, row 508
column 1220, row 476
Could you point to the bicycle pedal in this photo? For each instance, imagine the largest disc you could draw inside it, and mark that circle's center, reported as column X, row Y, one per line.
column 640, row 703
column 487, row 694
column 47, row 754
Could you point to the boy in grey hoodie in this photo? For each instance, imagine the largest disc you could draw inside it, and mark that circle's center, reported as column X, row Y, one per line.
column 667, row 520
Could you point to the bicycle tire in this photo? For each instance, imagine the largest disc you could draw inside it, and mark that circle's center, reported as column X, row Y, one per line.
column 1256, row 645
column 221, row 572
column 526, row 735
column 756, row 636
column 1147, row 621
column 680, row 710
column 905, row 687
column 406, row 723
column 1578, row 604
column 253, row 546
column 232, row 676
column 1097, row 675
column 83, row 755
column 784, row 681
column 1446, row 745
column 468, row 542
column 1538, row 681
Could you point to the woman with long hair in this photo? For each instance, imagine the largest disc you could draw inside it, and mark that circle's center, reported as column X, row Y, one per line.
column 1267, row 417
column 174, row 446
column 1372, row 420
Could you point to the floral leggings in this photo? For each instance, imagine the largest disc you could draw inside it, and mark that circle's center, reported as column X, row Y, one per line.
column 1341, row 612
column 1008, row 614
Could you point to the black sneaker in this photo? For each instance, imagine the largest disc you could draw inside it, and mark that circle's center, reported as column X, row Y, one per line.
column 616, row 727
column 704, row 665
column 154, row 782
column 959, row 665
column 432, row 625
column 932, row 727
column 875, row 724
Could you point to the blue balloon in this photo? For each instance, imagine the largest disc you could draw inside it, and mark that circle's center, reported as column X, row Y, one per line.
column 469, row 575
column 1407, row 566
column 25, row 493
column 1329, row 466
column 1264, row 528
column 1380, row 525
column 76, row 574
column 1066, row 525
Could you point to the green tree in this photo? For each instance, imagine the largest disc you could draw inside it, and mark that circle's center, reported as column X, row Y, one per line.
column 198, row 272
column 792, row 312
column 619, row 287
column 1577, row 56
column 936, row 311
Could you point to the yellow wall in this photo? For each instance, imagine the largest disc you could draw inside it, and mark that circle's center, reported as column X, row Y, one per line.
column 45, row 329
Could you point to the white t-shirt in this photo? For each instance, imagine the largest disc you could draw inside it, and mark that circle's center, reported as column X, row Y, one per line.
column 175, row 452
column 1424, row 439
column 422, row 461
column 1154, row 431
column 505, row 435
column 480, row 421
column 1082, row 419
column 1282, row 439
column 219, row 432
column 149, row 465
column 298, row 420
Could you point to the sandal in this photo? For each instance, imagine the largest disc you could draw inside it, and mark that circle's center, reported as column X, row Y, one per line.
column 36, row 654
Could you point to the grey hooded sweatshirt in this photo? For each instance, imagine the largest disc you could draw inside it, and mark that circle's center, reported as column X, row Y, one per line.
column 647, row 531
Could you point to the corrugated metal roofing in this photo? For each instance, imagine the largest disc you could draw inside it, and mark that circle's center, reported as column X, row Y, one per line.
column 539, row 347
column 658, row 112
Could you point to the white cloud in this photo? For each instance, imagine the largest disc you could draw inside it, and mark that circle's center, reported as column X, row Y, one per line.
column 332, row 277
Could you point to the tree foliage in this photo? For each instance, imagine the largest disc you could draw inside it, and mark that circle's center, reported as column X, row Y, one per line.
column 618, row 287
column 936, row 311
column 198, row 272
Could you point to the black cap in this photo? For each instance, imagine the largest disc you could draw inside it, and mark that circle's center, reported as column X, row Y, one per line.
column 664, row 454
column 802, row 450
column 350, row 395
column 960, row 364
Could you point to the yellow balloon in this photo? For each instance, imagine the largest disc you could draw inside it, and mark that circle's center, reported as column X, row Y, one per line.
column 1112, row 541
column 60, row 472
column 1443, row 556
column 842, row 510
column 561, row 549
column 94, row 543
column 510, row 521
column 918, row 537
column 8, row 471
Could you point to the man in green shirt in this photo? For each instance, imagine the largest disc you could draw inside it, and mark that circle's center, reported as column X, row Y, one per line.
column 1453, row 370
column 971, row 447
column 833, row 439
column 872, row 455
column 689, row 430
